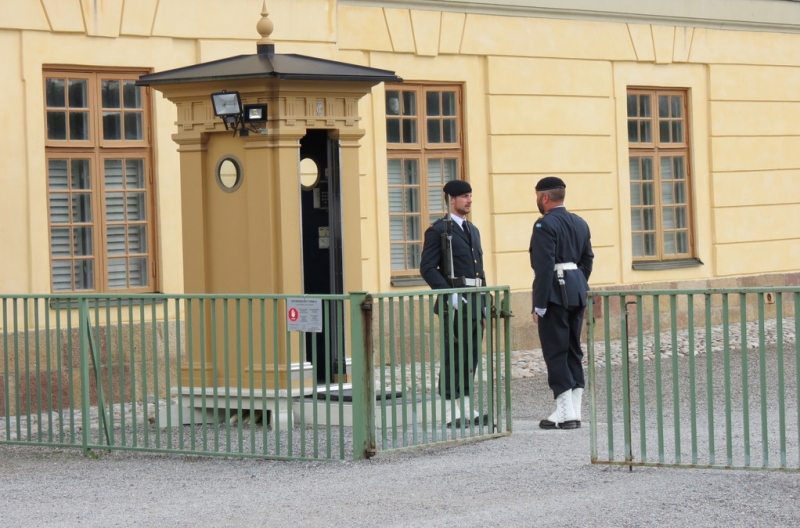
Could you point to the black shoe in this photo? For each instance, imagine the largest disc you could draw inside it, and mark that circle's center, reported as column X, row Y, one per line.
column 478, row 420
column 569, row 424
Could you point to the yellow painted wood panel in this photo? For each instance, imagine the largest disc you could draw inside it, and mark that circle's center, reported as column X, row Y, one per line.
column 603, row 224
column 755, row 153
column 63, row 16
column 606, row 268
column 353, row 20
column 399, row 24
column 755, row 188
column 525, row 114
column 512, row 232
column 713, row 46
column 515, row 193
column 764, row 83
column 137, row 17
column 451, row 32
column 755, row 118
column 551, row 154
column 541, row 37
column 514, row 270
column 426, row 28
column 757, row 224
column 516, row 75
column 757, row 257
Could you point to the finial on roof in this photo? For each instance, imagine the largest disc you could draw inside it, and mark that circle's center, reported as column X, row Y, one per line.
column 264, row 28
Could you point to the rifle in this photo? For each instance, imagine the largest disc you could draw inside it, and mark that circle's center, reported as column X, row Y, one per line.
column 446, row 264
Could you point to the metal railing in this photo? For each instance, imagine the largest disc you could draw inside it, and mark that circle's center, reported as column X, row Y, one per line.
column 695, row 378
column 215, row 374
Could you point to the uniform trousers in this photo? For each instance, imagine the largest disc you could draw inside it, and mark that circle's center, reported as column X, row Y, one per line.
column 460, row 360
column 560, row 336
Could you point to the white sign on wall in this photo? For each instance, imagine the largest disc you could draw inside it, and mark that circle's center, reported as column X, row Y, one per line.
column 303, row 315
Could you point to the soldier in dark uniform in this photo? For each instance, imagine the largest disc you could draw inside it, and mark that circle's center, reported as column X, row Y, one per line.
column 466, row 311
column 561, row 258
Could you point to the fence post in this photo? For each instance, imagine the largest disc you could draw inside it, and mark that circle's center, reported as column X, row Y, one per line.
column 363, row 376
column 83, row 340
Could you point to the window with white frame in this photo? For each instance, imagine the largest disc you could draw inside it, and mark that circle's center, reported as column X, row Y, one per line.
column 425, row 150
column 99, row 181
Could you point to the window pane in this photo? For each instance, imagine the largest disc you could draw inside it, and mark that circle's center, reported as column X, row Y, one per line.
column 413, row 231
column 81, row 178
column 392, row 103
column 663, row 132
column 669, row 243
column 115, row 207
column 434, row 133
column 636, row 219
column 110, row 94
column 133, row 126
column 644, row 106
column 84, row 275
column 393, row 131
column 116, row 240
column 632, row 106
column 633, row 131
column 56, row 125
column 57, row 174
column 398, row 257
column 650, row 245
column 412, row 200
column 59, row 208
column 636, row 194
column 647, row 194
column 682, row 238
column 138, row 272
column 83, row 241
column 79, row 125
column 649, row 219
column 414, row 255
column 112, row 125
column 82, row 207
column 679, row 172
column 449, row 104
column 117, row 273
column 136, row 207
column 668, row 216
column 637, row 246
column 409, row 130
column 409, row 103
column 677, row 106
column 113, row 173
column 60, row 245
column 449, row 131
column 62, row 275
column 432, row 104
column 647, row 169
column 137, row 238
column 412, row 172
column 633, row 164
column 395, row 172
column 435, row 171
column 666, row 193
column 645, row 132
column 680, row 192
column 450, row 169
column 680, row 218
column 663, row 106
column 666, row 168
column 78, row 94
column 55, row 94
column 677, row 131
column 132, row 94
column 395, row 199
column 397, row 231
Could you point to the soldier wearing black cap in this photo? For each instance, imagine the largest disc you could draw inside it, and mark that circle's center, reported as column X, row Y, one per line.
column 561, row 258
column 458, row 262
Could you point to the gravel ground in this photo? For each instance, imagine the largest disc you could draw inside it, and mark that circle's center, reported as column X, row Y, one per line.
column 529, row 478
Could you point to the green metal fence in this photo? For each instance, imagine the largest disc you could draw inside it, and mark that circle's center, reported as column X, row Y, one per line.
column 212, row 374
column 695, row 378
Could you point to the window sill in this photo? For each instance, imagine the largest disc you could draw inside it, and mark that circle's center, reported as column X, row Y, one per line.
column 667, row 264
column 409, row 281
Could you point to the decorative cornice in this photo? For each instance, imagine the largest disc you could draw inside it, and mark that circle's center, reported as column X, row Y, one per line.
column 779, row 16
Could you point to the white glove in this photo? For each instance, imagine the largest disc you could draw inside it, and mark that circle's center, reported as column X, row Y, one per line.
column 454, row 301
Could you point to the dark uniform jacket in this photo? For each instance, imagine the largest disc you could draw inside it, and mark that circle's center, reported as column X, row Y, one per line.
column 559, row 237
column 467, row 257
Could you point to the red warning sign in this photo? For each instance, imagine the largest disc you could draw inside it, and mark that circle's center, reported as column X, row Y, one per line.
column 294, row 314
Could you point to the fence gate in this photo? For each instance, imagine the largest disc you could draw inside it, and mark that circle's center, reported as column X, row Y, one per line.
column 695, row 378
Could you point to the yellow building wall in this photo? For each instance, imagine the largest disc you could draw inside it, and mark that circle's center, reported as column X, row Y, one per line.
column 541, row 96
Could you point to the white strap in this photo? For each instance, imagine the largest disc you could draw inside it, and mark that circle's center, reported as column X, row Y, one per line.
column 566, row 266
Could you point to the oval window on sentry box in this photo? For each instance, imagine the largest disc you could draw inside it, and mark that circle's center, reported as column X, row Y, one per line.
column 309, row 173
column 229, row 173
